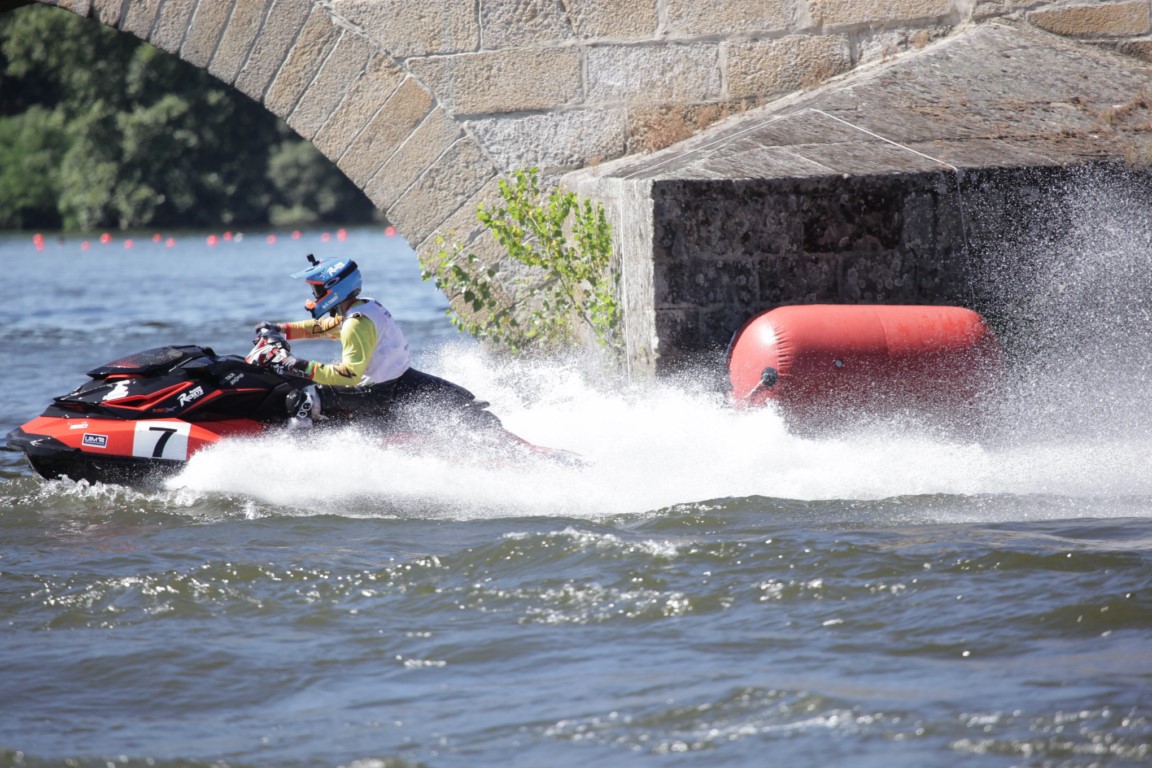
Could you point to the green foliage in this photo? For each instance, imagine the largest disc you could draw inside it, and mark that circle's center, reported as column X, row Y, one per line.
column 29, row 177
column 566, row 246
column 307, row 191
column 101, row 130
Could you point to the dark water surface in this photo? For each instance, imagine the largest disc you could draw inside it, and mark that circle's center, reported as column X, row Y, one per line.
column 710, row 590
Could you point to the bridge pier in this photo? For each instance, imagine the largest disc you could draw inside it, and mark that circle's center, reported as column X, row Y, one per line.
column 903, row 183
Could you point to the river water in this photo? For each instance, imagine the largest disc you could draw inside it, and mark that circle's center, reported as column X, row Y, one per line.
column 711, row 589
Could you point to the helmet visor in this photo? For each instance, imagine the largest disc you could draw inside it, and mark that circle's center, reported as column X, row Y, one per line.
column 319, row 290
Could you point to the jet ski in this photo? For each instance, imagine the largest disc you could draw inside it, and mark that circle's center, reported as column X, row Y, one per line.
column 139, row 419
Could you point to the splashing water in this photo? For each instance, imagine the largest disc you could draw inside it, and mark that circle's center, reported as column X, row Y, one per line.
column 647, row 447
column 1076, row 284
column 1072, row 417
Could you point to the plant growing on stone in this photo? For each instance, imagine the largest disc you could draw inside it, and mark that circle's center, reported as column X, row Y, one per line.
column 566, row 245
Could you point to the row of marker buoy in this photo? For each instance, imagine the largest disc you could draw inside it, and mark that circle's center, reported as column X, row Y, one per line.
column 211, row 240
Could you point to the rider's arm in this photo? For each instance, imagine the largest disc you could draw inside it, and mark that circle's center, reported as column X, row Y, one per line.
column 324, row 328
column 358, row 340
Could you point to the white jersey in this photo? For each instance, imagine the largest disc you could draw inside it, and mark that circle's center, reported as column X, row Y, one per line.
column 391, row 357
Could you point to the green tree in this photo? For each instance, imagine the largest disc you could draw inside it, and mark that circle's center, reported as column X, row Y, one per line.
column 30, row 144
column 308, row 192
column 112, row 132
column 566, row 245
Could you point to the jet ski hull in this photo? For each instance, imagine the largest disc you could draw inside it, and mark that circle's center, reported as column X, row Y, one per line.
column 124, row 452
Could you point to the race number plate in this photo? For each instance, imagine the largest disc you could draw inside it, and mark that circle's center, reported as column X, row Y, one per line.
column 161, row 440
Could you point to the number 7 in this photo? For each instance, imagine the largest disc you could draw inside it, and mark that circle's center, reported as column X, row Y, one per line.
column 158, row 451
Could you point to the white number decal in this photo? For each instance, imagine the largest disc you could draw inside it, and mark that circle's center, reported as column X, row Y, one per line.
column 161, row 440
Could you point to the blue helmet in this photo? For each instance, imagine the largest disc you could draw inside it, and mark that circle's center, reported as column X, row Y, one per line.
column 333, row 281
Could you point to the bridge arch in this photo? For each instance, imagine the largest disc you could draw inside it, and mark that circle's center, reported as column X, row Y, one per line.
column 423, row 105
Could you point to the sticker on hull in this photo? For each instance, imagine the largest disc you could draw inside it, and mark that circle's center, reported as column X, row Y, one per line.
column 95, row 441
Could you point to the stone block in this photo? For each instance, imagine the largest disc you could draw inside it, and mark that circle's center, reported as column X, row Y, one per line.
column 78, row 7
column 459, row 174
column 919, row 215
column 653, row 74
column 693, row 17
column 420, row 151
column 107, row 11
column 725, row 221
column 771, row 68
column 759, row 162
column 404, row 28
column 882, row 277
column 613, row 20
column 1104, row 19
column 881, row 45
column 285, row 19
column 654, row 128
column 707, row 282
column 853, row 217
column 172, row 24
column 462, row 226
column 678, row 339
column 368, row 94
column 1141, row 49
column 239, row 35
column 204, row 32
column 341, row 70
column 405, row 109
column 317, row 38
column 509, row 81
column 835, row 13
column 139, row 16
column 797, row 279
column 867, row 157
column 556, row 140
column 520, row 23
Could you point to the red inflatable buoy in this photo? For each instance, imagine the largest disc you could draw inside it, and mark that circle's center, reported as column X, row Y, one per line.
column 820, row 359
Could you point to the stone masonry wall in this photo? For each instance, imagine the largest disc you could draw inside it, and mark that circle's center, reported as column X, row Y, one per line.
column 725, row 251
column 423, row 104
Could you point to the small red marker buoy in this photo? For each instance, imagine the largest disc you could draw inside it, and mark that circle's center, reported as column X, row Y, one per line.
column 85, row 245
column 271, row 239
column 212, row 240
column 295, row 234
column 128, row 244
column 390, row 231
column 325, row 237
column 105, row 238
column 170, row 242
column 341, row 235
column 227, row 235
column 157, row 237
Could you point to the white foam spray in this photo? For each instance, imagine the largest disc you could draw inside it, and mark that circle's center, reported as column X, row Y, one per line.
column 646, row 447
column 1074, row 418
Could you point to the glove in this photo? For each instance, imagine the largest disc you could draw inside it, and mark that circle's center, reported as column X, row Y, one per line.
column 265, row 329
column 276, row 357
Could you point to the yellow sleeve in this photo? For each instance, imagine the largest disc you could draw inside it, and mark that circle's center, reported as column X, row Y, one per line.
column 358, row 343
column 324, row 328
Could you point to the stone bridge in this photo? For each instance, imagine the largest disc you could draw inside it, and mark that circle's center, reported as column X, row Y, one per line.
column 425, row 103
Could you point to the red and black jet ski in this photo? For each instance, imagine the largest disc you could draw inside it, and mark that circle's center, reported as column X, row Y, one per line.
column 140, row 418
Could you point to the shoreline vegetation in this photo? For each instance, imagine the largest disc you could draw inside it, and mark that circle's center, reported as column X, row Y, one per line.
column 101, row 131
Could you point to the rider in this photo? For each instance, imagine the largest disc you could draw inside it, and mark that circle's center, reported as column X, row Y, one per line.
column 374, row 374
